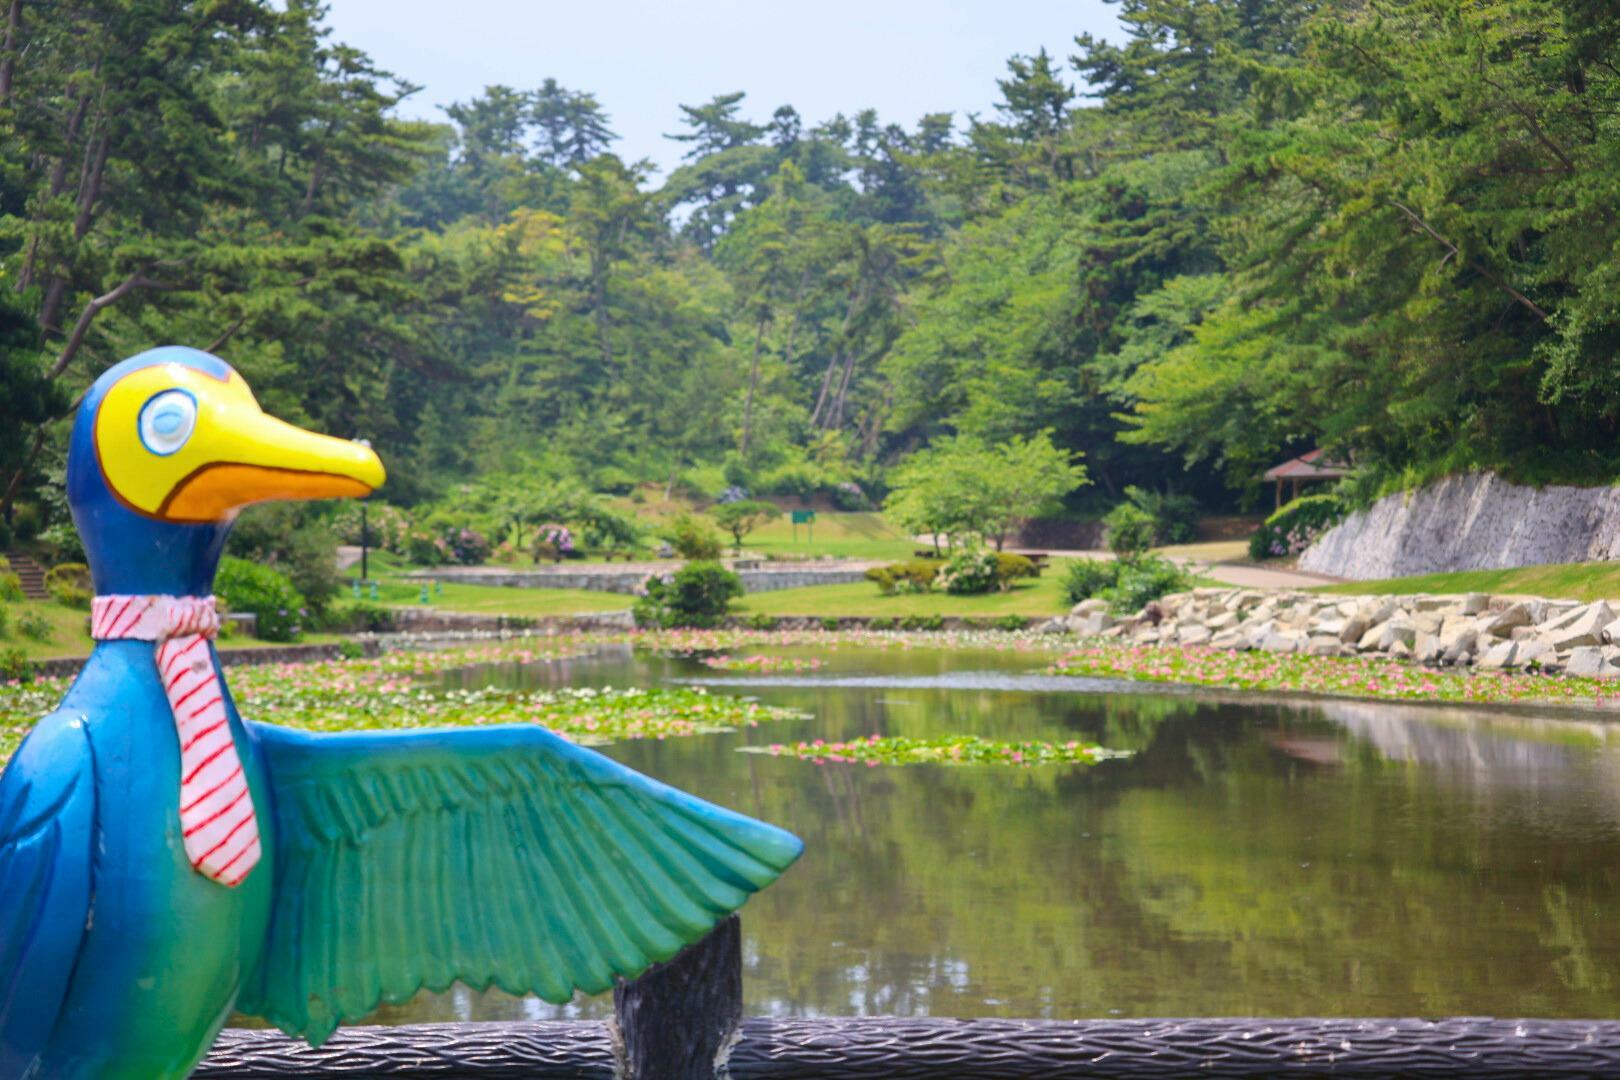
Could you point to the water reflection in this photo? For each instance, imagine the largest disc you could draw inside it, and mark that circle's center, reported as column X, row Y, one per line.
column 1319, row 858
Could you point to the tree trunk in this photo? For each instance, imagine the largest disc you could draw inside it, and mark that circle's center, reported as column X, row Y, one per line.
column 753, row 383
column 8, row 63
column 679, row 1020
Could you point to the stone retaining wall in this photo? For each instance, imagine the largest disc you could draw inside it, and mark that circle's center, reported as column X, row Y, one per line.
column 1476, row 521
column 609, row 578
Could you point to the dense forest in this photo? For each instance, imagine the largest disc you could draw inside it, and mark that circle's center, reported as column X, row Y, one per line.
column 1383, row 227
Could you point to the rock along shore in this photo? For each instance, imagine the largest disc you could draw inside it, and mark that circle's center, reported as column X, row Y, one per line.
column 1484, row 631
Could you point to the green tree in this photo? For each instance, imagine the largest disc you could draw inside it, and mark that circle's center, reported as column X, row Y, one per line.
column 742, row 517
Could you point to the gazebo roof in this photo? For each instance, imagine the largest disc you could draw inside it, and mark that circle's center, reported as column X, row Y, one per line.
column 1308, row 466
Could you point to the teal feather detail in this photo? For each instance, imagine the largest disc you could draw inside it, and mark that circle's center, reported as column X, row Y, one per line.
column 500, row 855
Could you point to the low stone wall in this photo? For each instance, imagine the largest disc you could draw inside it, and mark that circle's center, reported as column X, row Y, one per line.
column 1496, row 632
column 756, row 578
column 1476, row 521
column 413, row 629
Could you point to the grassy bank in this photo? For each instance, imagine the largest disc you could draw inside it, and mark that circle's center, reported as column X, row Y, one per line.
column 1041, row 597
column 1565, row 581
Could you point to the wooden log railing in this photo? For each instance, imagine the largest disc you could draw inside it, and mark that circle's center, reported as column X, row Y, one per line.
column 682, row 1021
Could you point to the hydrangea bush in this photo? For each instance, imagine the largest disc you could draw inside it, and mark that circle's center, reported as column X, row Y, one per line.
column 1296, row 526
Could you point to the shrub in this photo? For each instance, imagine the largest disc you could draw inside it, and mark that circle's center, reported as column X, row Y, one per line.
column 699, row 594
column 693, row 538
column 35, row 625
column 504, row 554
column 1129, row 530
column 5, row 619
column 1143, row 581
column 603, row 526
column 10, row 583
column 882, row 622
column 351, row 650
column 1175, row 516
column 1009, row 568
column 914, row 576
column 1086, row 578
column 970, row 572
column 14, row 665
column 923, row 622
column 469, row 547
column 365, row 617
column 829, row 622
column 69, row 585
column 760, row 621
column 425, row 548
column 298, row 540
column 1292, row 529
column 63, row 543
column 1011, row 622
column 267, row 593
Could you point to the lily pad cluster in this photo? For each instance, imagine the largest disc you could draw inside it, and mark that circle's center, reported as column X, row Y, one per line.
column 403, row 690
column 1357, row 677
column 874, row 750
column 757, row 662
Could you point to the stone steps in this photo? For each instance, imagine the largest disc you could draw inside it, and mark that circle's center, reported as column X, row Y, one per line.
column 30, row 573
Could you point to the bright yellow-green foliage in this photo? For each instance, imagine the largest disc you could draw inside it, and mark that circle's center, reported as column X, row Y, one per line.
column 1568, row 581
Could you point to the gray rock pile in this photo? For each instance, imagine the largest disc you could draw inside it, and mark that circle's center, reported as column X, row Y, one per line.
column 1496, row 632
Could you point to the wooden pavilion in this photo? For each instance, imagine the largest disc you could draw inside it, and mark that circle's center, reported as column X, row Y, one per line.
column 1308, row 468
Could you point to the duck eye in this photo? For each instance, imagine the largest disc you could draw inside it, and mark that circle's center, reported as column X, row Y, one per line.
column 167, row 421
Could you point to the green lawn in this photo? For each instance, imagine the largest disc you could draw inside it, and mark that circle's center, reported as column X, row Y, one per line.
column 70, row 635
column 494, row 598
column 850, row 535
column 398, row 591
column 1043, row 596
column 1570, row 581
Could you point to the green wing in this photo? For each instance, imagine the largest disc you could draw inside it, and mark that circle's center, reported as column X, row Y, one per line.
column 501, row 855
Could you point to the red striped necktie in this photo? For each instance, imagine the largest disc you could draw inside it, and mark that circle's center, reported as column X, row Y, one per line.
column 216, row 809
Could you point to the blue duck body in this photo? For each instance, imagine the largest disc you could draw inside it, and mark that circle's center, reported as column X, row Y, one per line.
column 392, row 861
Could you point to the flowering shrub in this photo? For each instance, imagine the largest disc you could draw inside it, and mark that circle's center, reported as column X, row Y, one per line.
column 425, row 547
column 469, row 546
column 553, row 541
column 250, row 586
column 698, row 594
column 734, row 493
column 1296, row 526
column 970, row 572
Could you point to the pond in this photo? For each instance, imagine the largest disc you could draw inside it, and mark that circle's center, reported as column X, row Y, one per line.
column 1299, row 858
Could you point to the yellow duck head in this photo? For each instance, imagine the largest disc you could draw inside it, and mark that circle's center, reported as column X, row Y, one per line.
column 167, row 447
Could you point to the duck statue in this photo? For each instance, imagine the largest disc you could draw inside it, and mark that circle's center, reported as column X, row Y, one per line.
column 164, row 862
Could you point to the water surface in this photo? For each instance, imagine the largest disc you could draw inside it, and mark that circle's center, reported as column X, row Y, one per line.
column 1296, row 858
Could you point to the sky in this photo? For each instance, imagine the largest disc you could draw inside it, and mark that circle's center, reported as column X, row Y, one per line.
column 644, row 58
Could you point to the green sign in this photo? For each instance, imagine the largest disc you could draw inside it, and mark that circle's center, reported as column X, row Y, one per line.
column 803, row 517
